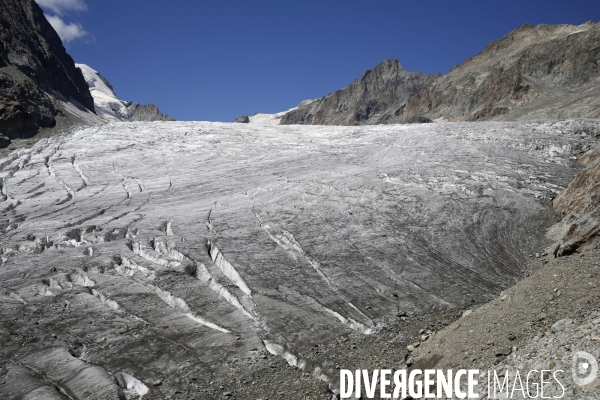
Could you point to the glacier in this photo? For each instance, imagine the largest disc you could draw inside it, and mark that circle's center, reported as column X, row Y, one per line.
column 142, row 251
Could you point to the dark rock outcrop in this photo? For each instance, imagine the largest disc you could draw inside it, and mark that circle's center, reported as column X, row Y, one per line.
column 379, row 96
column 148, row 112
column 4, row 141
column 34, row 65
column 24, row 107
column 243, row 119
column 418, row 120
column 534, row 72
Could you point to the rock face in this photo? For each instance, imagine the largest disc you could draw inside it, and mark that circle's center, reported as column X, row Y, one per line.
column 379, row 96
column 579, row 205
column 534, row 72
column 34, row 68
column 544, row 71
column 24, row 107
column 143, row 252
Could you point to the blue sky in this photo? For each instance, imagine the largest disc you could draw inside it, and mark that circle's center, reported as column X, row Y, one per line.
column 216, row 60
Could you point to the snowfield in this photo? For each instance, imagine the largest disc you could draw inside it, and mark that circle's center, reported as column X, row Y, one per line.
column 135, row 252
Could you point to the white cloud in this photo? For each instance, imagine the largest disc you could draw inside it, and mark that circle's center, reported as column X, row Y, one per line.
column 61, row 6
column 67, row 31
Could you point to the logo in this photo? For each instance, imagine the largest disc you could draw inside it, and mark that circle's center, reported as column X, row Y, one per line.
column 585, row 368
column 438, row 384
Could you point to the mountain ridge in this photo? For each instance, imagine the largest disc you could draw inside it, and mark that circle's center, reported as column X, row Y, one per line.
column 378, row 96
column 531, row 66
column 533, row 72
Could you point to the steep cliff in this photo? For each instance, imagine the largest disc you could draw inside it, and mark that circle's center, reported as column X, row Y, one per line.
column 34, row 69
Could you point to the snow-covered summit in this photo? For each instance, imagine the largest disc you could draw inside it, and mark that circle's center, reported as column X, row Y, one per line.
column 96, row 81
column 112, row 109
column 108, row 106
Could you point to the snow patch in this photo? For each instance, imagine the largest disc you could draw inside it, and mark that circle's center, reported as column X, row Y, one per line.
column 272, row 119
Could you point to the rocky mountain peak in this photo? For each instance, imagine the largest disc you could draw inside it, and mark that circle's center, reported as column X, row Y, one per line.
column 390, row 67
column 378, row 96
